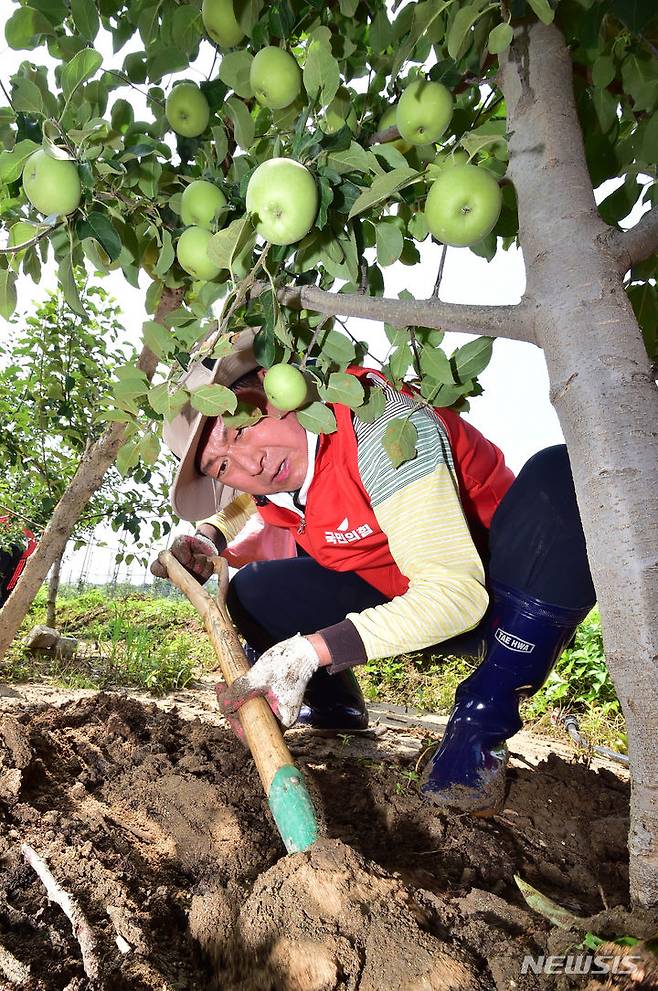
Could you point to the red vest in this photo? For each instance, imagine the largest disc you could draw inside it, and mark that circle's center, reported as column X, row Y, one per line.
column 18, row 570
column 340, row 530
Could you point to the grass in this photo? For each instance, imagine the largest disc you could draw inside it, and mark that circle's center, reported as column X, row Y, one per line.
column 136, row 641
column 157, row 643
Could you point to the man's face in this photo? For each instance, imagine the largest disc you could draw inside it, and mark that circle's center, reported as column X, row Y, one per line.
column 270, row 456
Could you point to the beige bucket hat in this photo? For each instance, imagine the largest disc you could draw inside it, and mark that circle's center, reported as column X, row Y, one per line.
column 195, row 496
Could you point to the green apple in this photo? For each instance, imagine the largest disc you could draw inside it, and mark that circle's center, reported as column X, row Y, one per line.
column 220, row 22
column 51, row 184
column 283, row 197
column 339, row 112
column 424, row 111
column 463, row 205
column 200, row 204
column 275, row 78
column 187, row 110
column 388, row 119
column 285, row 387
column 192, row 253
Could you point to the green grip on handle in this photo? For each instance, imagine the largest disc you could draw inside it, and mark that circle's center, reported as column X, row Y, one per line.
column 291, row 806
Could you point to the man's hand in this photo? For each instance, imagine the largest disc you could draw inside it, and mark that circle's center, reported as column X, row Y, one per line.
column 194, row 553
column 280, row 675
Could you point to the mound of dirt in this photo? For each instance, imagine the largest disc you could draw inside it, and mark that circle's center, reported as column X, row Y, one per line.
column 158, row 830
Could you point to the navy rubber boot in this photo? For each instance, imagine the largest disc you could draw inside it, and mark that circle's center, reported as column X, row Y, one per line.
column 525, row 638
column 331, row 701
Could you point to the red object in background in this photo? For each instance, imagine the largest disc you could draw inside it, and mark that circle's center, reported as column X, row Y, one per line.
column 22, row 561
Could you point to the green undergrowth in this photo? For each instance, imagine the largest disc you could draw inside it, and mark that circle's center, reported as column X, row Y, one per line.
column 157, row 643
column 133, row 641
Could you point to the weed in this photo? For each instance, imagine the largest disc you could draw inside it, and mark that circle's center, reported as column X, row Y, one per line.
column 405, row 780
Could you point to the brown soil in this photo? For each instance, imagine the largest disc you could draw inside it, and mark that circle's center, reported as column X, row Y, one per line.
column 157, row 827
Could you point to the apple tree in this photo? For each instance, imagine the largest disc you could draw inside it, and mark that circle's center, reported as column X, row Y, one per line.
column 55, row 374
column 336, row 138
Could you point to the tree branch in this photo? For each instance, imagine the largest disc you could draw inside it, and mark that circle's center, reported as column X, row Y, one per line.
column 381, row 137
column 638, row 243
column 515, row 323
column 28, row 244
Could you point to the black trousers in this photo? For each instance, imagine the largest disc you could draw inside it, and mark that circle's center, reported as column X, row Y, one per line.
column 535, row 546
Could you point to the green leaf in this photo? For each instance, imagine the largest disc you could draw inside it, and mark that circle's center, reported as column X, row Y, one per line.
column 500, row 38
column 619, row 203
column 337, row 347
column 243, row 124
column 158, row 338
column 25, row 28
column 644, row 300
column 321, row 72
column 383, row 188
column 417, row 226
column 218, row 132
column 85, row 18
column 317, row 418
column 424, row 16
column 374, row 405
column 244, row 416
column 435, row 363
column 399, row 441
column 26, row 97
column 247, row 13
column 149, row 448
column 400, row 359
column 69, row 287
column 234, row 71
column 97, row 225
column 223, row 245
column 148, row 23
column 603, row 70
column 12, row 162
column 7, row 293
column 640, row 80
column 354, row 159
column 213, row 400
column 164, row 61
column 605, row 106
column 128, row 456
column 389, row 243
column 187, row 28
column 473, row 358
column 166, row 402
column 446, row 395
column 342, row 388
column 81, row 67
column 167, row 254
column 549, row 909
column 460, row 29
column 543, row 10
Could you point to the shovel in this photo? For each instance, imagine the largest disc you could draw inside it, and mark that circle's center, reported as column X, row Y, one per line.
column 288, row 798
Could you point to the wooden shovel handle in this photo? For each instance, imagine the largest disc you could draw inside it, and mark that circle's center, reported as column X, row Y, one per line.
column 261, row 729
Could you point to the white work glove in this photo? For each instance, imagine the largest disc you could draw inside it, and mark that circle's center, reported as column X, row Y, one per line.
column 194, row 553
column 280, row 675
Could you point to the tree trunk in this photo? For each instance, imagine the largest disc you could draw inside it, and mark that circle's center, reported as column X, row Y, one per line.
column 86, row 481
column 53, row 589
column 604, row 393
